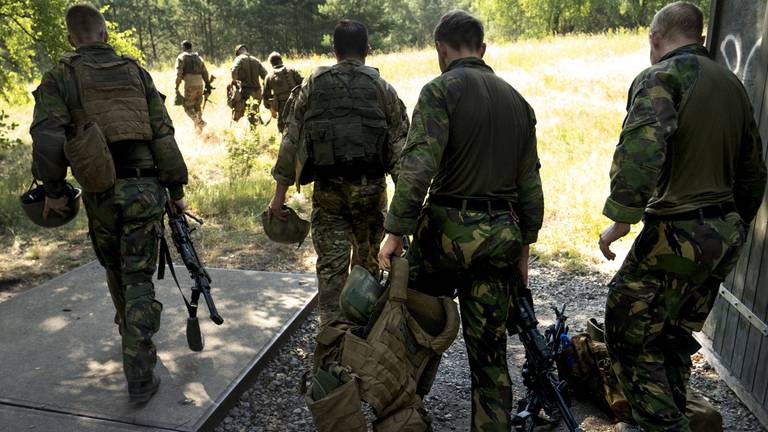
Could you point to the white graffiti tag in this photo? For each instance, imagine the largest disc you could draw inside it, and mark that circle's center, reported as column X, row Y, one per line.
column 732, row 53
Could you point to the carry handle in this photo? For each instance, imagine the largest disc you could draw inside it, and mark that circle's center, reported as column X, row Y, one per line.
column 398, row 280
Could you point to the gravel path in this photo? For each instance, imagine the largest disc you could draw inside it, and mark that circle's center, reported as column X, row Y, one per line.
column 274, row 404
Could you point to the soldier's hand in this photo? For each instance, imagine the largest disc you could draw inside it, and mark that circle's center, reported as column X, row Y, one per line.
column 58, row 205
column 277, row 210
column 181, row 205
column 393, row 246
column 610, row 235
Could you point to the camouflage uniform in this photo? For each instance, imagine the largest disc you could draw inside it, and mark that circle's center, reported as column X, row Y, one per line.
column 473, row 146
column 247, row 70
column 124, row 222
column 277, row 89
column 191, row 69
column 347, row 206
column 679, row 157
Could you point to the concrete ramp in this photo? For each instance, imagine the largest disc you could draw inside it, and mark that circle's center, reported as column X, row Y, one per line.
column 61, row 358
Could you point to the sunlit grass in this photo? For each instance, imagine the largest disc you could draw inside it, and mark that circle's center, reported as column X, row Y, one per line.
column 577, row 86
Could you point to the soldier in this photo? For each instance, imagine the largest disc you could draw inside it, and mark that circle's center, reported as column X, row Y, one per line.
column 247, row 71
column 191, row 69
column 472, row 146
column 689, row 163
column 278, row 86
column 124, row 220
column 354, row 125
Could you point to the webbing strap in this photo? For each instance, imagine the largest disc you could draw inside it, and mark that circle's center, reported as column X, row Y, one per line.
column 165, row 257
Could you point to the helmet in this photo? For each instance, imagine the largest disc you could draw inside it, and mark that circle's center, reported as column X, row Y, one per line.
column 237, row 48
column 33, row 202
column 292, row 230
column 359, row 295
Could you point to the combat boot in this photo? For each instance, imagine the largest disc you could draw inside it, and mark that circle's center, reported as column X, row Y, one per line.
column 142, row 392
column 626, row 427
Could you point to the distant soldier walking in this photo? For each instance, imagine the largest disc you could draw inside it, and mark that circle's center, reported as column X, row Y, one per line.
column 278, row 86
column 353, row 125
column 472, row 148
column 689, row 163
column 191, row 69
column 247, row 74
column 108, row 105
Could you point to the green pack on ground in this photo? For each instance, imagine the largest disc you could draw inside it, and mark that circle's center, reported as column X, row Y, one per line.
column 591, row 377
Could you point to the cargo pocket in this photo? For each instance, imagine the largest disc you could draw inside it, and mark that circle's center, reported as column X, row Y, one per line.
column 338, row 411
column 630, row 315
column 320, row 139
column 144, row 317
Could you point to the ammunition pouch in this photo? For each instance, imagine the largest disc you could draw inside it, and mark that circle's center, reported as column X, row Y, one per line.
column 90, row 158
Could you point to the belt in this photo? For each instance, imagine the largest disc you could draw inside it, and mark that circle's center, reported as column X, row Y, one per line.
column 708, row 212
column 472, row 204
column 124, row 173
column 356, row 180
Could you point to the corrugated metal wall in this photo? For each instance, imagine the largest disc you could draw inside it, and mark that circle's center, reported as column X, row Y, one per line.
column 736, row 32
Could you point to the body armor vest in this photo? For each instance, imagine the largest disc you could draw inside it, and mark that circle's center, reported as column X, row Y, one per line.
column 248, row 71
column 192, row 64
column 345, row 128
column 113, row 96
column 284, row 81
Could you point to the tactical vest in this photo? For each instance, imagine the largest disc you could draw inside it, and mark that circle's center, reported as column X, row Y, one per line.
column 283, row 82
column 113, row 96
column 345, row 127
column 248, row 71
column 192, row 64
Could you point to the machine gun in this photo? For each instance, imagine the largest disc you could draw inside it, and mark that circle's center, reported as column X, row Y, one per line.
column 180, row 233
column 545, row 391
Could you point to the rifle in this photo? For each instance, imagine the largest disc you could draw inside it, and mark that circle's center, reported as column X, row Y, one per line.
column 545, row 390
column 207, row 92
column 180, row 233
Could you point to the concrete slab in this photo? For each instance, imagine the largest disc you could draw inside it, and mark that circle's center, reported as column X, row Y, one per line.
column 14, row 419
column 60, row 351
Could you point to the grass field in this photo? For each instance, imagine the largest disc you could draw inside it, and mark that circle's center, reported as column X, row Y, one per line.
column 576, row 84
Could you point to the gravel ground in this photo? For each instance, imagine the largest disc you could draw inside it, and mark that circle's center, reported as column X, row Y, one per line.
column 274, row 404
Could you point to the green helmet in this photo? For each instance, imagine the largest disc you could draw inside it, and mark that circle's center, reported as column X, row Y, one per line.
column 292, row 230
column 237, row 48
column 359, row 295
column 33, row 203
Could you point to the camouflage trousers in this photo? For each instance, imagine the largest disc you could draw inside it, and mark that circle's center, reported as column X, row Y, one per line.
column 662, row 293
column 476, row 255
column 193, row 101
column 280, row 117
column 347, row 228
column 245, row 105
column 124, row 225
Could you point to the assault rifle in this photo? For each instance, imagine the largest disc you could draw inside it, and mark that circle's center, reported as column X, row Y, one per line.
column 545, row 391
column 180, row 233
column 209, row 88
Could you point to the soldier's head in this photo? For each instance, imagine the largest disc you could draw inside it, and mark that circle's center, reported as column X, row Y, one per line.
column 241, row 49
column 85, row 24
column 275, row 59
column 186, row 45
column 350, row 40
column 675, row 25
column 458, row 35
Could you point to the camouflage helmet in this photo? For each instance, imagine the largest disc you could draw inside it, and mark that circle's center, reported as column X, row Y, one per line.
column 358, row 297
column 239, row 47
column 33, row 203
column 292, row 230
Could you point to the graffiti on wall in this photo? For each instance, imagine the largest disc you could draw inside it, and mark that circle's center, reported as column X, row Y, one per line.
column 734, row 55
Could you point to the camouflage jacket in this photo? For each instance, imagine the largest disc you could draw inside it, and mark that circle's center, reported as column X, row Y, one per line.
column 248, row 70
column 442, row 112
column 293, row 155
column 689, row 140
column 185, row 66
column 57, row 95
column 278, row 85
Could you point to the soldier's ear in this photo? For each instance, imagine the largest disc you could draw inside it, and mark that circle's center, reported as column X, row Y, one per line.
column 71, row 40
column 105, row 36
column 482, row 49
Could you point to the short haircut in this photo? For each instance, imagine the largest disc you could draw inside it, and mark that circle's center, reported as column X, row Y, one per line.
column 350, row 38
column 187, row 45
column 679, row 19
column 275, row 58
column 84, row 22
column 459, row 29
